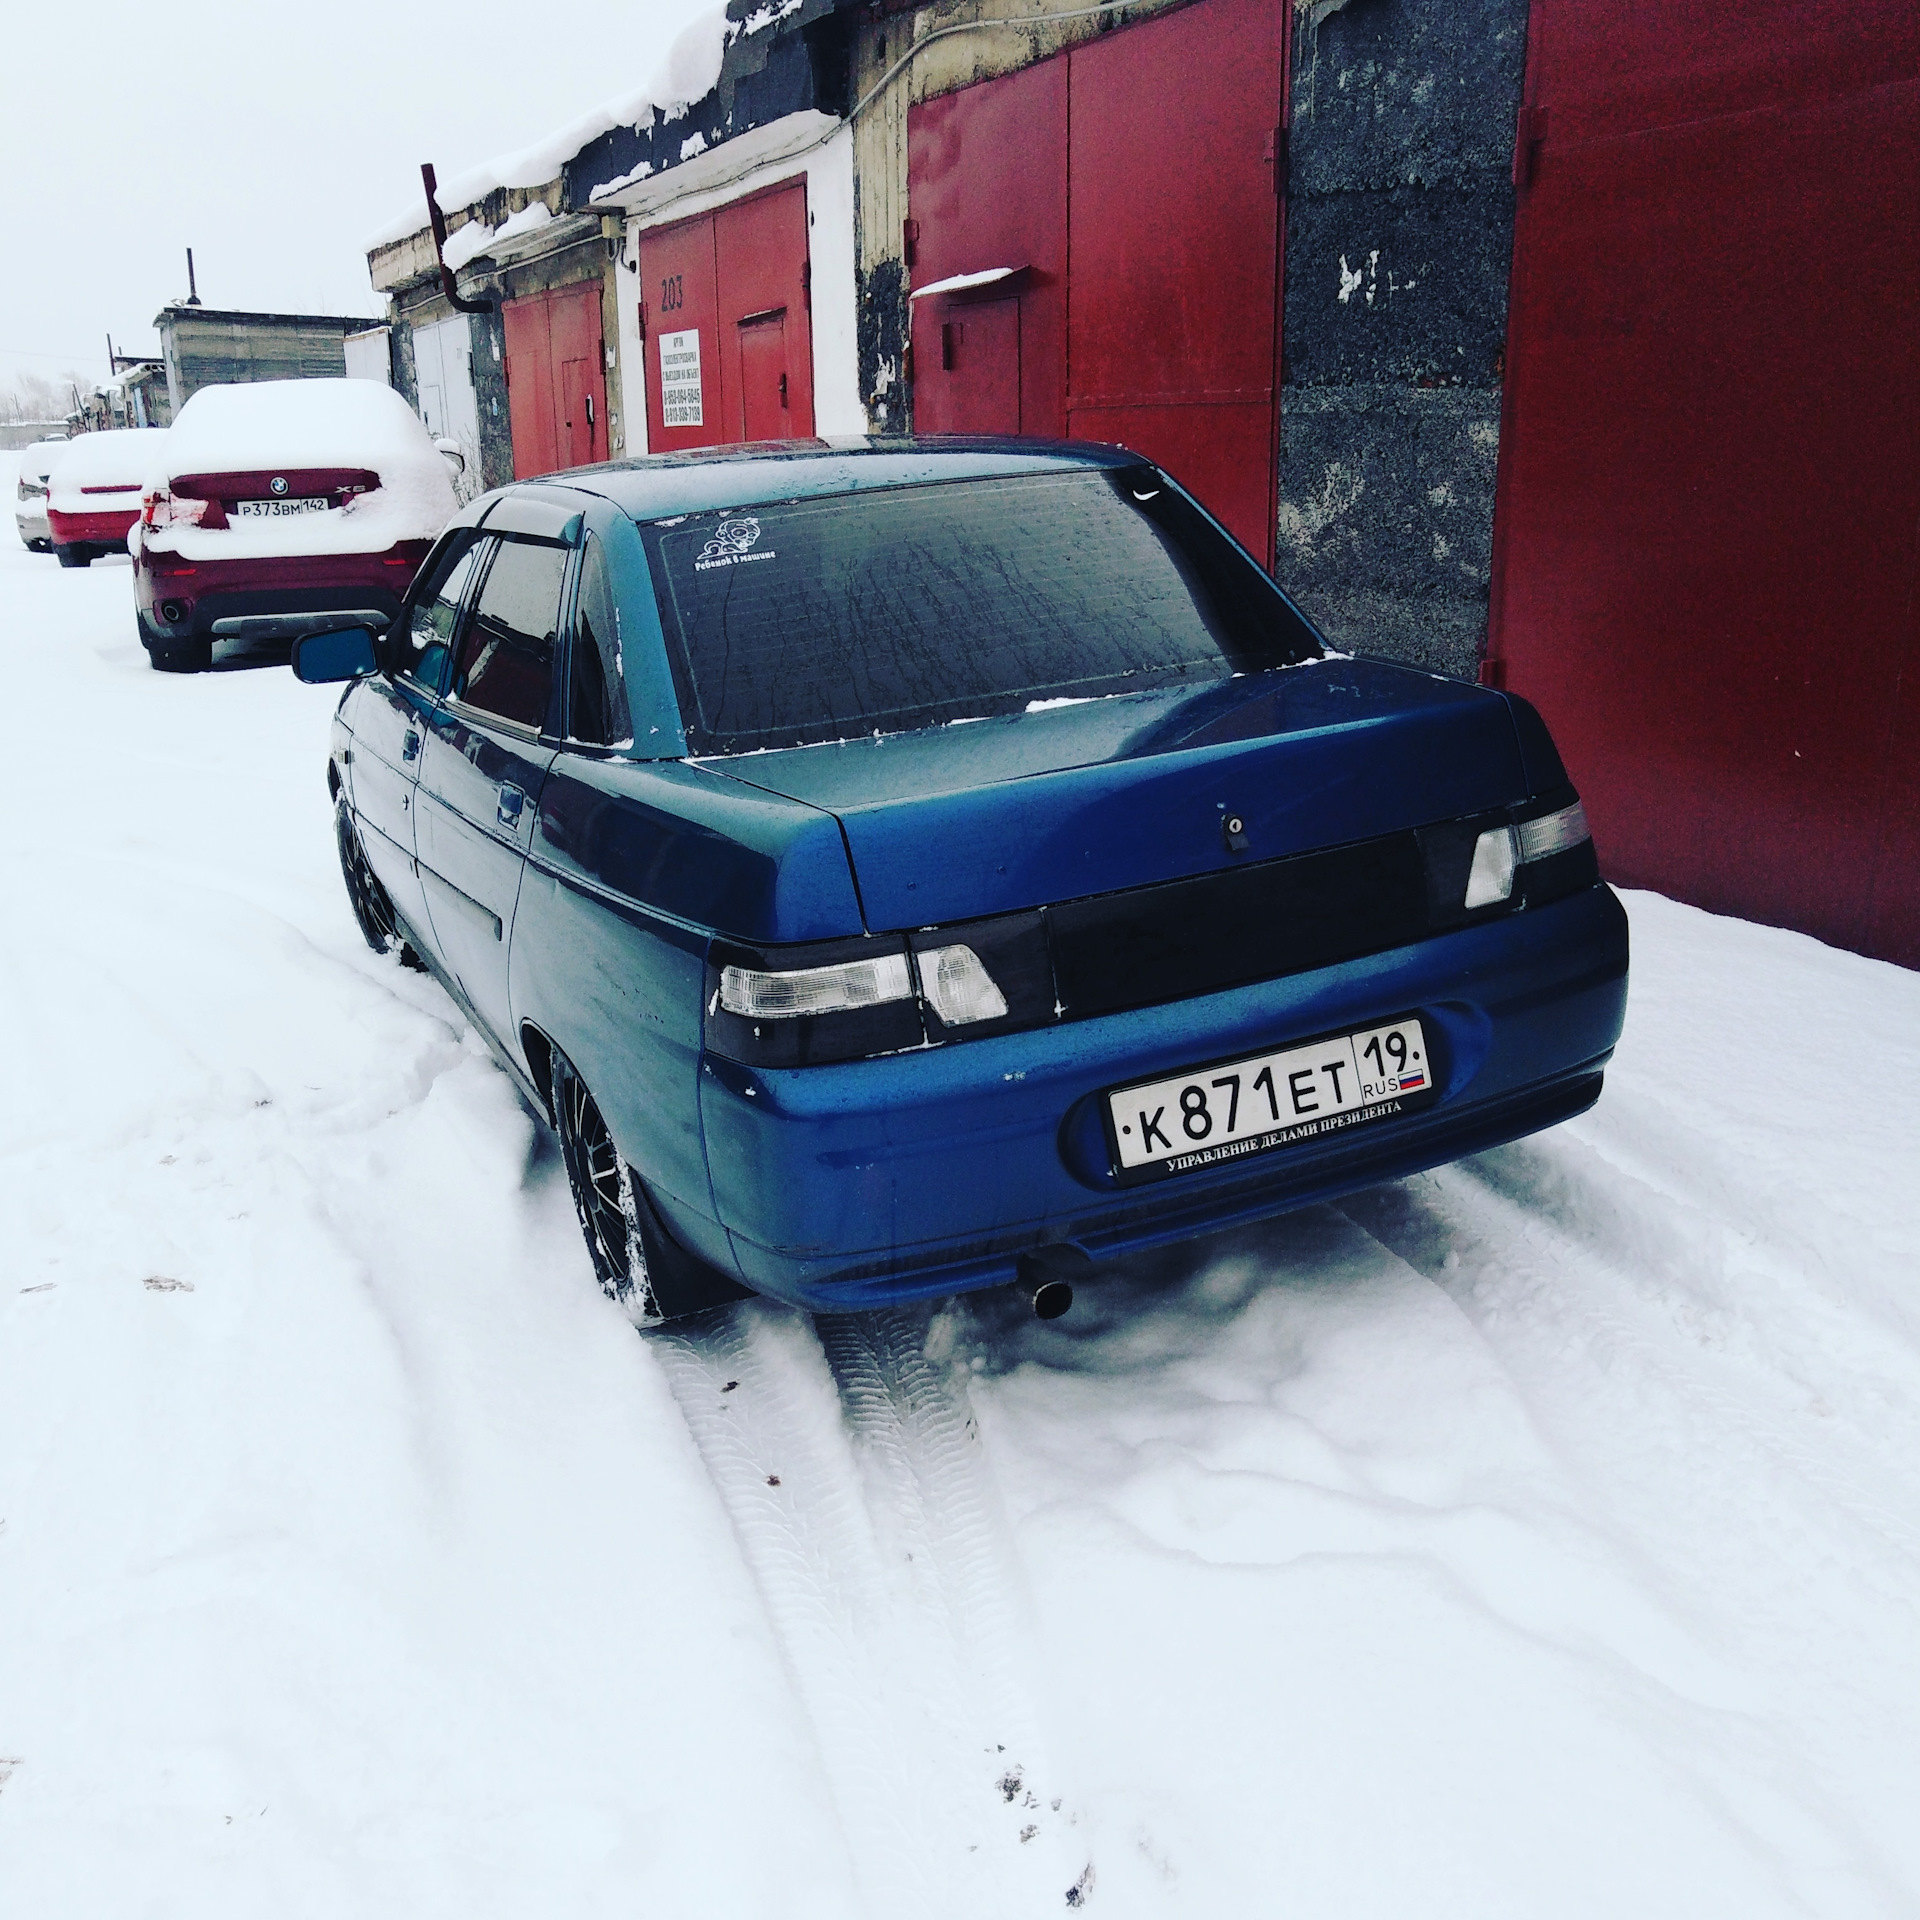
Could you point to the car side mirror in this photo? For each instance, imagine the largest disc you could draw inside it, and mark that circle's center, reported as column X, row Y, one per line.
column 451, row 448
column 344, row 653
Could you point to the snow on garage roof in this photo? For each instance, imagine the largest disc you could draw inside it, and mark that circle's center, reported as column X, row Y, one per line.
column 689, row 71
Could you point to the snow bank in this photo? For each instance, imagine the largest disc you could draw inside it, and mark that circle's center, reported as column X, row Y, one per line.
column 124, row 459
column 689, row 71
column 284, row 424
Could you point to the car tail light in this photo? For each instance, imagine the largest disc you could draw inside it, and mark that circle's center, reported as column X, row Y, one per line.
column 163, row 509
column 839, row 989
column 1500, row 852
column 1552, row 833
column 959, row 988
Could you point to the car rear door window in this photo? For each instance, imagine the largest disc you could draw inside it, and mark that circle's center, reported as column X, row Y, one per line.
column 597, row 712
column 433, row 613
column 824, row 619
column 504, row 664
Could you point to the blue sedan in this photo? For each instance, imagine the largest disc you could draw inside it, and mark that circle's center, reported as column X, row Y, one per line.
column 917, row 866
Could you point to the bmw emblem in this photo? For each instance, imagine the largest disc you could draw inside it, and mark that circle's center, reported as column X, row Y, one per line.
column 278, row 484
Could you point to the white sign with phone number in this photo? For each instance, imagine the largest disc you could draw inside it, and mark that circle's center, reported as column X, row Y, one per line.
column 680, row 379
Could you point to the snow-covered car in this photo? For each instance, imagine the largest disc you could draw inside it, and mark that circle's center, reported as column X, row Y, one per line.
column 283, row 498
column 901, row 868
column 94, row 491
column 30, row 494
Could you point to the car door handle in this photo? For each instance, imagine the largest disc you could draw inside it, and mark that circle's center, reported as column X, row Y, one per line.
column 511, row 801
column 410, row 746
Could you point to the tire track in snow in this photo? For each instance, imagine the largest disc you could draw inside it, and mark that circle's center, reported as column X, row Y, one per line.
column 848, row 1463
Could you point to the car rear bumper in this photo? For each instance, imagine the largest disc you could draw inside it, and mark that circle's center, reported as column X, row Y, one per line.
column 31, row 522
column 108, row 529
column 203, row 591
column 931, row 1172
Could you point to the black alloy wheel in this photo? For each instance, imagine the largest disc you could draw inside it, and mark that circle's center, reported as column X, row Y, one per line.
column 638, row 1264
column 372, row 908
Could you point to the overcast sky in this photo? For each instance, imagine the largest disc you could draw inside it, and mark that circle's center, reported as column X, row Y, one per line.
column 271, row 139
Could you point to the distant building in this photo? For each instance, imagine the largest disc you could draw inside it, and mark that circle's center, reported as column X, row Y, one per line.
column 207, row 346
column 136, row 396
column 15, row 434
column 737, row 188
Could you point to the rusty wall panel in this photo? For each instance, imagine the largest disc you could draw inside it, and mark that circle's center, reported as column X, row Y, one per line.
column 760, row 257
column 988, row 168
column 579, row 373
column 744, row 263
column 556, row 379
column 1144, row 161
column 1710, row 478
column 1174, row 219
column 677, row 283
column 530, row 402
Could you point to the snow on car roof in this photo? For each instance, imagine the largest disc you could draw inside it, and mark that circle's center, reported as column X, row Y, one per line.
column 300, row 423
column 122, row 456
column 285, row 425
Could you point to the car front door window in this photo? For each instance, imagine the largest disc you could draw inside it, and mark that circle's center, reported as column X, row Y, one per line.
column 432, row 617
column 504, row 665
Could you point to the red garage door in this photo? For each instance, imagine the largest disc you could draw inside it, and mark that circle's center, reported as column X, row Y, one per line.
column 1125, row 194
column 556, row 380
column 1705, row 569
column 729, row 339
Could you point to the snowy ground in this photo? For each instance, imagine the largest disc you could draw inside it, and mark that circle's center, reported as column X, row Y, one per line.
column 1537, row 1538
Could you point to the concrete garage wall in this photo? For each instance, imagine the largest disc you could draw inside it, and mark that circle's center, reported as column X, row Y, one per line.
column 1399, row 238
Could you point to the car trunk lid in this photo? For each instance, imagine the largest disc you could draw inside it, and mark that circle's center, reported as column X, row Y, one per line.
column 976, row 818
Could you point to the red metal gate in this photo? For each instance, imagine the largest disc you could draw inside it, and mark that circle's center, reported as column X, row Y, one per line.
column 1706, row 564
column 1127, row 188
column 987, row 182
column 728, row 334
column 556, row 380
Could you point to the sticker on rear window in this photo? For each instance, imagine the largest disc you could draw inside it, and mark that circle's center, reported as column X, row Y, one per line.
column 729, row 545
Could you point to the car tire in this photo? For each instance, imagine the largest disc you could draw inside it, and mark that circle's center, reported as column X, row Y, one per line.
column 39, row 546
column 191, row 655
column 72, row 556
column 372, row 909
column 639, row 1265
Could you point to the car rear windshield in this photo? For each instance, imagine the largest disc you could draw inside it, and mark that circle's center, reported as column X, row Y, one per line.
column 825, row 619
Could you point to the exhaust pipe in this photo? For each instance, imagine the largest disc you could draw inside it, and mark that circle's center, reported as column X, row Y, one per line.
column 1047, row 1275
column 172, row 612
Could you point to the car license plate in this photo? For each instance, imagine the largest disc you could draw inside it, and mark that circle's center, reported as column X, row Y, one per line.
column 1208, row 1115
column 278, row 509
